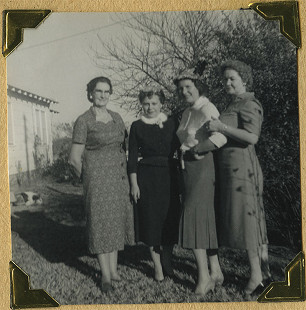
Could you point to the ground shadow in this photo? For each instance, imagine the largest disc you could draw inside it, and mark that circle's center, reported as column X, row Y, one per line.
column 56, row 242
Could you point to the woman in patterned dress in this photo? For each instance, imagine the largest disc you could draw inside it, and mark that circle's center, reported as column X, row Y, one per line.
column 98, row 154
column 242, row 216
column 154, row 180
column 197, row 226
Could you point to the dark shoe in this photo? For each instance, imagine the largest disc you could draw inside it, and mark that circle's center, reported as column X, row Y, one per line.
column 106, row 287
column 209, row 286
column 250, row 294
column 167, row 266
column 267, row 281
column 168, row 271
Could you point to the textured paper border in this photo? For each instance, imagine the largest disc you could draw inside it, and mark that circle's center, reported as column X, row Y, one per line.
column 124, row 6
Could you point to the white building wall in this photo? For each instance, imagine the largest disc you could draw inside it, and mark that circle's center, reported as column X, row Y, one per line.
column 24, row 129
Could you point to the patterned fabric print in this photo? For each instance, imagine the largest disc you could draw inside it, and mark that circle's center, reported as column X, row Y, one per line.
column 109, row 213
column 241, row 211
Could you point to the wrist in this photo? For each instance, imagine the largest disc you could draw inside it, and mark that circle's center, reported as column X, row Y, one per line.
column 194, row 150
column 223, row 128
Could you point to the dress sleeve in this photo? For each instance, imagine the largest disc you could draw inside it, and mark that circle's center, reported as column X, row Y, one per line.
column 251, row 117
column 79, row 135
column 133, row 151
column 119, row 119
column 217, row 138
column 175, row 142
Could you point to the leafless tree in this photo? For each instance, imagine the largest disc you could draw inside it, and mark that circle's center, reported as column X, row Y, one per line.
column 156, row 46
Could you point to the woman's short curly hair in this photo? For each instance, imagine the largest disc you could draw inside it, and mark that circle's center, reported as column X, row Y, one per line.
column 93, row 83
column 244, row 70
column 148, row 92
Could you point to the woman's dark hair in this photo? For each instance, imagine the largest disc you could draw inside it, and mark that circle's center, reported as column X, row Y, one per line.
column 200, row 85
column 93, row 83
column 149, row 92
column 244, row 70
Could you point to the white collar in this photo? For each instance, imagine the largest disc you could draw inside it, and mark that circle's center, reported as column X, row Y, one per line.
column 199, row 103
column 158, row 120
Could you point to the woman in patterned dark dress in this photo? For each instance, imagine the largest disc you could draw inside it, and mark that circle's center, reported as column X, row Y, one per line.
column 154, row 184
column 98, row 153
column 242, row 215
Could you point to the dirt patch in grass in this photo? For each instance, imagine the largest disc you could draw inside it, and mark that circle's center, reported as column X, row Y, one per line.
column 48, row 243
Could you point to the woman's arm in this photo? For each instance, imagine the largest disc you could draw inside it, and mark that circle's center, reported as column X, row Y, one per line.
column 240, row 135
column 132, row 163
column 75, row 157
column 203, row 147
column 135, row 192
column 216, row 140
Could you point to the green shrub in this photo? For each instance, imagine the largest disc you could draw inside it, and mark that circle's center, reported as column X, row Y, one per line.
column 60, row 169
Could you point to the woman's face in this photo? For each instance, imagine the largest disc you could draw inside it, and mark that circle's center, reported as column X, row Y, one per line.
column 100, row 95
column 187, row 91
column 151, row 106
column 233, row 83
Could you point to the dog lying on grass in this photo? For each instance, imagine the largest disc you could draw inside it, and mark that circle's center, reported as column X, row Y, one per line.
column 27, row 198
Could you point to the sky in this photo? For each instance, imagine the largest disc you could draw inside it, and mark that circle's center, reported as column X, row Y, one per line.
column 55, row 60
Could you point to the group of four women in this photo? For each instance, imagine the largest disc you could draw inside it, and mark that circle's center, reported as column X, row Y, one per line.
column 157, row 143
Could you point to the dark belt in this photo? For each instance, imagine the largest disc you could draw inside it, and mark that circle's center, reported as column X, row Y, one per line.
column 160, row 161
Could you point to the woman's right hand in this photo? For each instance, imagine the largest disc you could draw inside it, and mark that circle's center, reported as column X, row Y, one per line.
column 135, row 192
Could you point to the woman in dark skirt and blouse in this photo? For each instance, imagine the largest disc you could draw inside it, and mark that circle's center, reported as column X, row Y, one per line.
column 153, row 179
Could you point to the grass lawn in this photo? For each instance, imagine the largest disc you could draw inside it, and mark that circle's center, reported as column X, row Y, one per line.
column 48, row 243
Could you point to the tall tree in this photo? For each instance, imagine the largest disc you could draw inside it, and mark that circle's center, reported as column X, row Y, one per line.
column 156, row 46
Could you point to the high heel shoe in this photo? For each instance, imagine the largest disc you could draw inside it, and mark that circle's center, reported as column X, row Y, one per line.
column 267, row 281
column 106, row 287
column 218, row 279
column 250, row 293
column 168, row 271
column 166, row 265
column 210, row 286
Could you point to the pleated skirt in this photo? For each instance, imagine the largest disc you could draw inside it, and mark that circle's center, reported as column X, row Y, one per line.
column 197, row 224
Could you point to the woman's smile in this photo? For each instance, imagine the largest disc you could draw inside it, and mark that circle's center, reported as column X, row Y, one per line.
column 187, row 91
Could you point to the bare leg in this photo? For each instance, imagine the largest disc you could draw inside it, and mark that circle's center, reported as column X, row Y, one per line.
column 166, row 259
column 104, row 262
column 256, row 276
column 205, row 283
column 265, row 262
column 215, row 269
column 113, row 266
column 159, row 276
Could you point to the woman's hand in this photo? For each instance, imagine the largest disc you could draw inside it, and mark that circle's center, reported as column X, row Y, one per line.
column 135, row 192
column 75, row 158
column 198, row 157
column 195, row 154
column 214, row 125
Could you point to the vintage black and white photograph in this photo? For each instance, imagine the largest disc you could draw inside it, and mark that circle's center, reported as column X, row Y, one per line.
column 154, row 156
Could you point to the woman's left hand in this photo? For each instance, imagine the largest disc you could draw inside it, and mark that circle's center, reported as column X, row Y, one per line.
column 195, row 154
column 214, row 125
column 198, row 157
